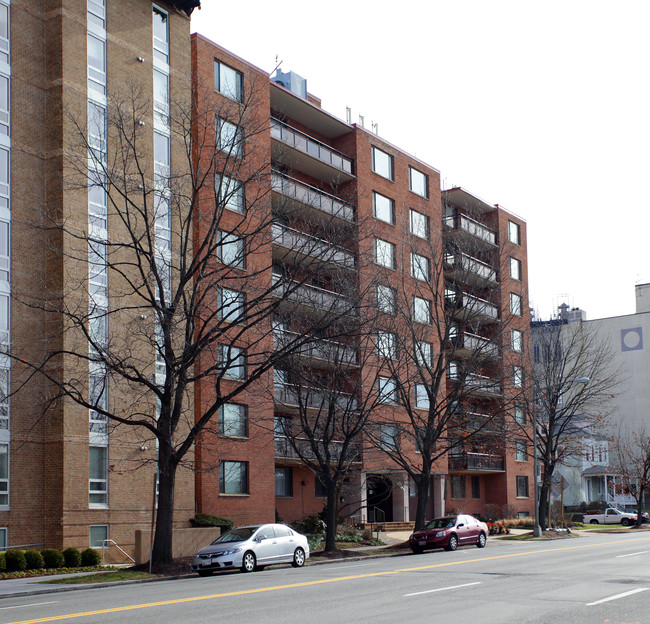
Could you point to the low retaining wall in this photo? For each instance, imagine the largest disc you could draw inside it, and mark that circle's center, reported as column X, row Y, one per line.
column 185, row 542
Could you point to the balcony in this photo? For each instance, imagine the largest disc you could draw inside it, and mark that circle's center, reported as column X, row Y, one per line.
column 478, row 463
column 304, row 247
column 314, row 297
column 468, row 269
column 311, row 197
column 290, row 395
column 482, row 384
column 330, row 352
column 470, row 229
column 304, row 153
column 474, row 344
column 303, row 449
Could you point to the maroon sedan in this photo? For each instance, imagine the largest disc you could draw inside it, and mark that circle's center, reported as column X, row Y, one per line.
column 449, row 533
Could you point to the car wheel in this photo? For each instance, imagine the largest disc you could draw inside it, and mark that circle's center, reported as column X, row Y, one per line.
column 593, row 522
column 625, row 521
column 453, row 543
column 298, row 558
column 482, row 540
column 248, row 563
column 205, row 572
column 417, row 550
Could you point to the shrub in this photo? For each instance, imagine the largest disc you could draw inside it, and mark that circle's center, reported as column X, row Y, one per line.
column 3, row 563
column 508, row 512
column 53, row 558
column 309, row 525
column 492, row 512
column 34, row 560
column 15, row 560
column 314, row 542
column 90, row 557
column 208, row 520
column 72, row 557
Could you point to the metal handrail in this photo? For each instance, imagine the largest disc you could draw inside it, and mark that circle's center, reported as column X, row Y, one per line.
column 374, row 521
column 114, row 543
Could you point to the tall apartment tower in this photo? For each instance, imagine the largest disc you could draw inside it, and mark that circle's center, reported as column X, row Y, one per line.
column 67, row 477
column 412, row 244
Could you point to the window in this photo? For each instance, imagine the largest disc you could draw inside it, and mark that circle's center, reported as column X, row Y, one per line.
column 230, row 193
column 522, row 487
column 382, row 163
column 387, row 390
column 383, row 207
column 283, row 481
column 521, row 452
column 515, row 269
column 320, row 491
column 386, row 299
column 420, row 267
column 96, row 64
column 4, row 399
column 514, row 233
column 233, row 477
column 422, row 400
column 536, row 353
column 387, row 345
column 452, row 370
column 228, row 81
column 3, row 539
column 384, row 253
column 418, row 182
column 4, row 178
column 421, row 310
column 457, row 486
column 515, row 304
column 232, row 361
column 419, row 224
column 517, row 340
column 476, row 487
column 98, row 535
column 160, row 36
column 518, row 376
column 423, row 352
column 231, row 305
column 281, row 424
column 230, row 138
column 98, row 476
column 520, row 415
column 231, row 250
column 388, row 438
column 4, row 103
column 233, row 420
column 161, row 153
column 161, row 94
column 4, row 33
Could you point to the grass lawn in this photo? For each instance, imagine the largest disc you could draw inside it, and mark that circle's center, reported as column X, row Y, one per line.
column 103, row 577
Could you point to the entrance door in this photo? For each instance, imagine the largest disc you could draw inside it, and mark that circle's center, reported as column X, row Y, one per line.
column 380, row 498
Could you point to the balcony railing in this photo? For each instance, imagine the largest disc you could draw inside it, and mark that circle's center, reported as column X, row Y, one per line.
column 476, row 462
column 476, row 343
column 308, row 397
column 303, row 449
column 471, row 226
column 308, row 145
column 311, row 196
column 482, row 383
column 311, row 246
column 472, row 265
column 315, row 297
column 329, row 350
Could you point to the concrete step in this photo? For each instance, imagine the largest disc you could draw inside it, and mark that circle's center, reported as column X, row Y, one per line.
column 389, row 526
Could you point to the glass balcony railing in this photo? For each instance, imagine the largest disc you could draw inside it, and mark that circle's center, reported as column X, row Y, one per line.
column 302, row 448
column 308, row 145
column 471, row 226
column 482, row 383
column 329, row 350
column 471, row 265
column 477, row 343
column 314, row 398
column 311, row 196
column 312, row 296
column 476, row 462
column 311, row 246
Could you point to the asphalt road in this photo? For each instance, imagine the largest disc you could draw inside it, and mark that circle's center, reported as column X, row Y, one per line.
column 590, row 580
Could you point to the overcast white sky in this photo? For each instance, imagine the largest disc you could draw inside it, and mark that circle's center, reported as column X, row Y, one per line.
column 541, row 107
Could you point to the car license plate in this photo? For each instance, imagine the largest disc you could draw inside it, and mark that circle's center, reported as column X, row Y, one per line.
column 423, row 543
column 206, row 562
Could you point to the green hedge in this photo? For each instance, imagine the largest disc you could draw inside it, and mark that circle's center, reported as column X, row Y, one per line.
column 72, row 557
column 15, row 560
column 90, row 557
column 34, row 560
column 53, row 558
column 207, row 520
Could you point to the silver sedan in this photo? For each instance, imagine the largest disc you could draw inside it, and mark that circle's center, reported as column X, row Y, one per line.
column 252, row 548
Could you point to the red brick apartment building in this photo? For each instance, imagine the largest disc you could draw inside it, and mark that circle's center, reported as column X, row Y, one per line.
column 322, row 176
column 70, row 478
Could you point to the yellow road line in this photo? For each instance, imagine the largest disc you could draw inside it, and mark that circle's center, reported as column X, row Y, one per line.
column 338, row 579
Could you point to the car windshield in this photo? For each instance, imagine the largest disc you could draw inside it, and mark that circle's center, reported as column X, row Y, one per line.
column 236, row 535
column 442, row 523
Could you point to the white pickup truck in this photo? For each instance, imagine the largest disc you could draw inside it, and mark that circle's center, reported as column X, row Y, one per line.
column 609, row 516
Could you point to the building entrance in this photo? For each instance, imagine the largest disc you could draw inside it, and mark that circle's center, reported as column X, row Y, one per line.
column 380, row 498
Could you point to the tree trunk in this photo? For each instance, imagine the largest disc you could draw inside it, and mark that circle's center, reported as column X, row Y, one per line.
column 422, row 484
column 330, row 531
column 162, row 545
column 543, row 503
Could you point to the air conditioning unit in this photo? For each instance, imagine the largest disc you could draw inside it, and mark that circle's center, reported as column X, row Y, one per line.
column 292, row 81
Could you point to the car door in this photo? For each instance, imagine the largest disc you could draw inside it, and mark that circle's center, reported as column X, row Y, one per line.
column 266, row 545
column 285, row 542
column 472, row 529
column 462, row 530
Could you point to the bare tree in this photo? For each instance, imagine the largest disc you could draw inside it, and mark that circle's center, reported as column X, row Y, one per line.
column 187, row 256
column 633, row 464
column 571, row 387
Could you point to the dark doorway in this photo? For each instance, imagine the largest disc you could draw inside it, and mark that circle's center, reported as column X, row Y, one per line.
column 380, row 498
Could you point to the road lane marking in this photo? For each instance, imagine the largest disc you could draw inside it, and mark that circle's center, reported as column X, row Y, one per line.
column 617, row 596
column 33, row 604
column 245, row 592
column 643, row 552
column 431, row 591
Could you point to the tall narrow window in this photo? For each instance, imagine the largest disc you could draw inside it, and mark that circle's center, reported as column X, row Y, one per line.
column 228, row 81
column 418, row 182
column 522, row 487
column 516, row 304
column 230, row 138
column 422, row 310
column 383, row 207
column 387, row 390
column 420, row 267
column 382, row 163
column 517, row 339
column 515, row 269
column 386, row 299
column 514, row 233
column 231, row 250
column 96, row 64
column 98, row 476
column 233, row 420
column 283, row 481
column 384, row 253
column 231, row 193
column 232, row 361
column 419, row 224
column 386, row 345
column 160, row 35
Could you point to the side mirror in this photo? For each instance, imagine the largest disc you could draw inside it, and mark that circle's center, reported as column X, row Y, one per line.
column 259, row 538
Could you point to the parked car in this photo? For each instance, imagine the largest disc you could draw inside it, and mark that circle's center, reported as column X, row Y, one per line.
column 449, row 533
column 609, row 516
column 252, row 548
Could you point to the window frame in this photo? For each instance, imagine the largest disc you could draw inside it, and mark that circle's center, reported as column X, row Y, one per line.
column 420, row 267
column 519, row 414
column 514, row 232
column 424, row 235
column 381, row 254
column 387, row 390
column 234, row 362
column 422, row 400
column 226, row 310
column 522, row 486
column 239, row 258
column 390, row 161
column 425, row 180
column 95, row 544
column 287, row 480
column 457, row 487
column 242, row 421
column 386, row 343
column 244, row 483
column 518, row 376
column 391, row 208
column 238, row 95
column 423, row 353
column 230, row 193
column 515, row 269
column 414, row 310
column 521, row 451
column 516, row 304
column 388, row 437
column 234, row 145
column 97, row 503
column 517, row 340
column 380, row 299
